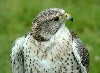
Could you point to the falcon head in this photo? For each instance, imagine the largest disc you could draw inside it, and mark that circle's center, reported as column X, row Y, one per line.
column 48, row 22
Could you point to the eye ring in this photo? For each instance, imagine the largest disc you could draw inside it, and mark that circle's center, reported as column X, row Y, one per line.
column 56, row 18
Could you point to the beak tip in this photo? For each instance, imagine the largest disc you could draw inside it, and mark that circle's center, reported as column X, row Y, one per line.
column 71, row 19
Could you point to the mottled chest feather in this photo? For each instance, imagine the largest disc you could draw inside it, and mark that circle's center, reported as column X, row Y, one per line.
column 51, row 56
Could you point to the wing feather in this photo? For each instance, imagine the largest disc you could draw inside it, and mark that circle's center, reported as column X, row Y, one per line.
column 80, row 52
column 17, row 56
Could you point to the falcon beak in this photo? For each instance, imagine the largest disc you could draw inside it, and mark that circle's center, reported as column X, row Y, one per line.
column 68, row 17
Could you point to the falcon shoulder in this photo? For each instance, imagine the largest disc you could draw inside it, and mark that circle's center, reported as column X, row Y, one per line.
column 80, row 52
column 17, row 56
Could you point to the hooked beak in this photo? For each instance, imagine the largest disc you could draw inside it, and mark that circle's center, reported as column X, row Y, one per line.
column 68, row 17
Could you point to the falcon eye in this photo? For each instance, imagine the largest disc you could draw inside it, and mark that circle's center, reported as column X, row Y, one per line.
column 56, row 18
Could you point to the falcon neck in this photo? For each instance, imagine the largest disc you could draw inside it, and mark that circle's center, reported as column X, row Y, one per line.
column 62, row 30
column 42, row 37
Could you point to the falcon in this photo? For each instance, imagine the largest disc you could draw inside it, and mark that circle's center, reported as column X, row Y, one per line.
column 50, row 47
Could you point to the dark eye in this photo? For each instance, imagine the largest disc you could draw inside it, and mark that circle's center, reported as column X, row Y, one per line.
column 56, row 18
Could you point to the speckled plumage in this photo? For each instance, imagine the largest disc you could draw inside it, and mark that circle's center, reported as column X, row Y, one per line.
column 50, row 47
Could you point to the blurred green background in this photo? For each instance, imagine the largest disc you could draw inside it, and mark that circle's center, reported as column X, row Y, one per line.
column 16, row 17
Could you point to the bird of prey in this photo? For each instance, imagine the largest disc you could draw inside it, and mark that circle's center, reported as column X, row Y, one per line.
column 50, row 47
